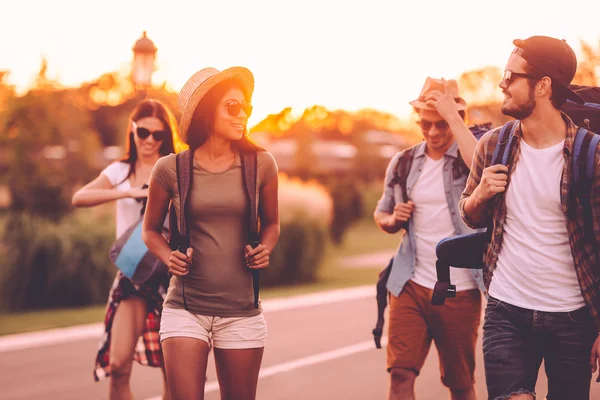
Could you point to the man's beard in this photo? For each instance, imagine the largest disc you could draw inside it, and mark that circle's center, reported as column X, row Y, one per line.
column 524, row 110
column 442, row 141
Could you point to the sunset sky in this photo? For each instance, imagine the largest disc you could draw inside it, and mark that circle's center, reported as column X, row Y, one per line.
column 341, row 54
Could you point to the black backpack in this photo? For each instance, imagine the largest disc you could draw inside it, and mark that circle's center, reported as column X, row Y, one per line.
column 585, row 115
column 467, row 251
column 179, row 238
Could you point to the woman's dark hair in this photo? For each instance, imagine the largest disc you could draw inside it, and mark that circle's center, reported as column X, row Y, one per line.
column 202, row 123
column 149, row 108
column 558, row 97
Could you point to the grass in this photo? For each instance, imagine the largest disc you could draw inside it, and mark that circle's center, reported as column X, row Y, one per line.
column 363, row 237
column 37, row 320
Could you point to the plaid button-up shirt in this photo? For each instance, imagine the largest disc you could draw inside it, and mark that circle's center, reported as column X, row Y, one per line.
column 585, row 254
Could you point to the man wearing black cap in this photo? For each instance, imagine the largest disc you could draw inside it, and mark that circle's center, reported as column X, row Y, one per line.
column 543, row 276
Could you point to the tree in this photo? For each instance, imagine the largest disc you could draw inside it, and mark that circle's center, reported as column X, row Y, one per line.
column 276, row 124
column 588, row 70
column 51, row 146
column 480, row 86
column 56, row 136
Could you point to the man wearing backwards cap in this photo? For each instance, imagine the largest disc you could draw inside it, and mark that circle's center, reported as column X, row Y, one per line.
column 434, row 184
column 543, row 277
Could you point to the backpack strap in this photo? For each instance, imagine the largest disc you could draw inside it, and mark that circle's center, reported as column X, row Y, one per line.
column 184, row 184
column 502, row 150
column 584, row 149
column 506, row 139
column 382, row 296
column 593, row 105
column 584, row 152
column 403, row 169
column 250, row 172
column 444, row 287
column 184, row 170
column 144, row 201
column 459, row 167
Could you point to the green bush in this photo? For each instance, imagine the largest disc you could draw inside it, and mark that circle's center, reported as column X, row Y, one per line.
column 51, row 146
column 305, row 209
column 347, row 208
column 298, row 254
column 371, row 193
column 46, row 264
column 49, row 264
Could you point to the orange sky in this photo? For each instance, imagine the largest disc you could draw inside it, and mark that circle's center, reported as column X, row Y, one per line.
column 342, row 54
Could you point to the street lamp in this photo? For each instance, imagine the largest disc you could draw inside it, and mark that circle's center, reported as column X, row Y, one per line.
column 144, row 55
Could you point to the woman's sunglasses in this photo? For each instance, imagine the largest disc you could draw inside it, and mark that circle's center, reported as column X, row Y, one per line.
column 234, row 108
column 143, row 133
column 440, row 125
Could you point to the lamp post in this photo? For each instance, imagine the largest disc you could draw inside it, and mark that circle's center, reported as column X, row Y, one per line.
column 144, row 55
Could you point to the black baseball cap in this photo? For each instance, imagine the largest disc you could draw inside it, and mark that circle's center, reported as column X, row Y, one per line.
column 554, row 57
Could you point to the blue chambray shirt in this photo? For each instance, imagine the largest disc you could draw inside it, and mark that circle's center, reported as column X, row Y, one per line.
column 405, row 258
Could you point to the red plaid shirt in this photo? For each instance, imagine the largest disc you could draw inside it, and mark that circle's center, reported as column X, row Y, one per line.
column 585, row 254
column 147, row 350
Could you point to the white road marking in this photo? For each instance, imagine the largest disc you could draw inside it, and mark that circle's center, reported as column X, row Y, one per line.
column 303, row 362
column 50, row 337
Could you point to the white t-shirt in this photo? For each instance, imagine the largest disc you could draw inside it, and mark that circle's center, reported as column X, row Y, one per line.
column 432, row 222
column 128, row 209
column 535, row 268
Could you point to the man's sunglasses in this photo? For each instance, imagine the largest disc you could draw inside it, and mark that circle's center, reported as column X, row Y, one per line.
column 143, row 133
column 234, row 108
column 508, row 77
column 440, row 125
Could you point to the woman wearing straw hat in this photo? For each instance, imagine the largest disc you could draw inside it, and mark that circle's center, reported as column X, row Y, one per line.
column 133, row 312
column 211, row 300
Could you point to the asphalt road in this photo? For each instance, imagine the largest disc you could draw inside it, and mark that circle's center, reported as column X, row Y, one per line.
column 319, row 350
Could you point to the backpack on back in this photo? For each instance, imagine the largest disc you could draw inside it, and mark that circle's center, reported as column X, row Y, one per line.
column 468, row 251
column 585, row 115
column 179, row 238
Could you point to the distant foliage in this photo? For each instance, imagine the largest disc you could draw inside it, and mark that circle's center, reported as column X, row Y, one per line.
column 305, row 211
column 46, row 264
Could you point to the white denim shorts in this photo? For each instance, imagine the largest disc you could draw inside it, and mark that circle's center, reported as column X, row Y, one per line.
column 220, row 332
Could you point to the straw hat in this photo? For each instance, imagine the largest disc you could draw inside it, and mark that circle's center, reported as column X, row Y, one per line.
column 201, row 83
column 437, row 84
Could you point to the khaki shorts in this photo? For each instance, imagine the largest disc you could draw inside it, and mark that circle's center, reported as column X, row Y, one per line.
column 223, row 333
column 414, row 323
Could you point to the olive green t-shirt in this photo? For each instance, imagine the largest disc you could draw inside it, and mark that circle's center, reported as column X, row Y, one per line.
column 219, row 283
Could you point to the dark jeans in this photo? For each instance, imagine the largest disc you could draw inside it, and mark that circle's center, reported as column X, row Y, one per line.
column 516, row 340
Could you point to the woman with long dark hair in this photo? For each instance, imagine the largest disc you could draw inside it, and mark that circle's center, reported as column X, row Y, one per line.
column 133, row 313
column 211, row 300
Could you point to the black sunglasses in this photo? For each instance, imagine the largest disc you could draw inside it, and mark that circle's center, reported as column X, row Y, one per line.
column 508, row 77
column 234, row 108
column 426, row 125
column 143, row 133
